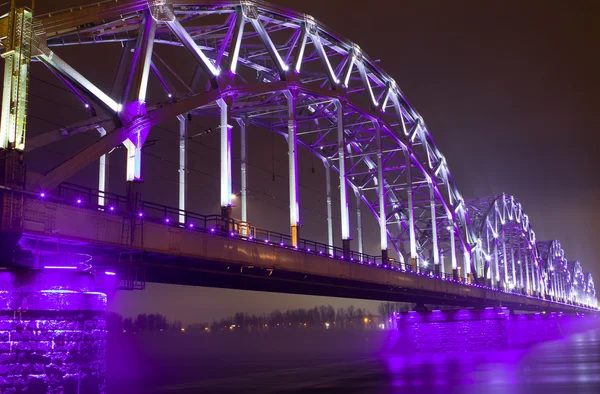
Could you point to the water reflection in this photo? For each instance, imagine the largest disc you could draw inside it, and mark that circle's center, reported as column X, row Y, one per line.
column 567, row 365
column 356, row 363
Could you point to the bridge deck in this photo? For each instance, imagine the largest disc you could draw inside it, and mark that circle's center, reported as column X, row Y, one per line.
column 181, row 255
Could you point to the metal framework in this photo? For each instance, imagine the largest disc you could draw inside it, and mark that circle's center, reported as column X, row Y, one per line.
column 261, row 65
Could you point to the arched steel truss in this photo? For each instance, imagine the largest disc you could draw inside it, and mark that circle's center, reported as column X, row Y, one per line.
column 590, row 291
column 259, row 64
column 507, row 243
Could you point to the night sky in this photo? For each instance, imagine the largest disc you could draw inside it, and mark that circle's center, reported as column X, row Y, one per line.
column 507, row 88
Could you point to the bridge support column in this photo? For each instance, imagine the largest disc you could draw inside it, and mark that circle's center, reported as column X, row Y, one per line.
column 453, row 250
column 183, row 162
column 527, row 284
column 434, row 237
column 226, row 126
column 329, row 210
column 293, row 167
column 359, row 223
column 53, row 332
column 381, row 196
column 103, row 167
column 344, row 210
column 411, row 212
column 243, row 169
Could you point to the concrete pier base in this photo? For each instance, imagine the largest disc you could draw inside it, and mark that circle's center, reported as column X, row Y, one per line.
column 484, row 329
column 52, row 333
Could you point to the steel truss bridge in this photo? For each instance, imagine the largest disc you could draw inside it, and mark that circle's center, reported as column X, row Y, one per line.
column 259, row 65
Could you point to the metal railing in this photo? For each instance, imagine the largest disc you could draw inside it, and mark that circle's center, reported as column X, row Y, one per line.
column 230, row 227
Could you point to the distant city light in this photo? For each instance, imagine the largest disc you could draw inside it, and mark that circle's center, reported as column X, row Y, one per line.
column 110, row 273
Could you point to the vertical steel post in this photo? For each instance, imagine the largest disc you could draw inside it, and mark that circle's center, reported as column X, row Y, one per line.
column 381, row 195
column 102, row 172
column 183, row 155
column 411, row 212
column 344, row 211
column 244, row 171
column 225, row 126
column 453, row 249
column 434, row 237
column 329, row 210
column 527, row 283
column 359, row 223
column 293, row 167
column 496, row 275
column 514, row 272
column 505, row 259
column 521, row 279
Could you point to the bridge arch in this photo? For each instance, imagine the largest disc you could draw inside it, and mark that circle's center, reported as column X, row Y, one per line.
column 278, row 69
column 506, row 243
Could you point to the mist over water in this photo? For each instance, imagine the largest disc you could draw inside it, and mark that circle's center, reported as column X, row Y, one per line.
column 351, row 361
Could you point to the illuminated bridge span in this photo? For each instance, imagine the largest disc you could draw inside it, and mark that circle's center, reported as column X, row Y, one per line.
column 257, row 65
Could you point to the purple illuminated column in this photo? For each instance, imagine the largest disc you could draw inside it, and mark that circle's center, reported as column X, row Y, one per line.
column 329, row 210
column 452, row 247
column 243, row 168
column 411, row 211
column 225, row 129
column 359, row 237
column 434, row 237
column 344, row 211
column 505, row 260
column 527, row 283
column 293, row 166
column 496, row 275
column 514, row 271
column 381, row 195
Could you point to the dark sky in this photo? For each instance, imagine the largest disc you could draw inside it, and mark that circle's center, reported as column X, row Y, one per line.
column 507, row 88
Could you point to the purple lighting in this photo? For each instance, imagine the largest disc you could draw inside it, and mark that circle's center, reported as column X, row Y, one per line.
column 60, row 267
column 141, row 214
column 78, row 201
column 281, row 244
column 167, row 220
column 110, row 273
column 112, row 209
column 191, row 225
column 212, row 230
column 42, row 194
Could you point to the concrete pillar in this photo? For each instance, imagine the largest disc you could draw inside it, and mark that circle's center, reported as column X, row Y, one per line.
column 53, row 332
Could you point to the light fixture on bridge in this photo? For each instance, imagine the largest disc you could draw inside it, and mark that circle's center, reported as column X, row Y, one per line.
column 141, row 214
column 78, row 201
column 191, row 225
column 167, row 220
column 111, row 208
column 212, row 230
column 60, row 267
column 42, row 195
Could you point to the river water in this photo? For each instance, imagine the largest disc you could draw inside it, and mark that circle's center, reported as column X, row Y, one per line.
column 344, row 362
